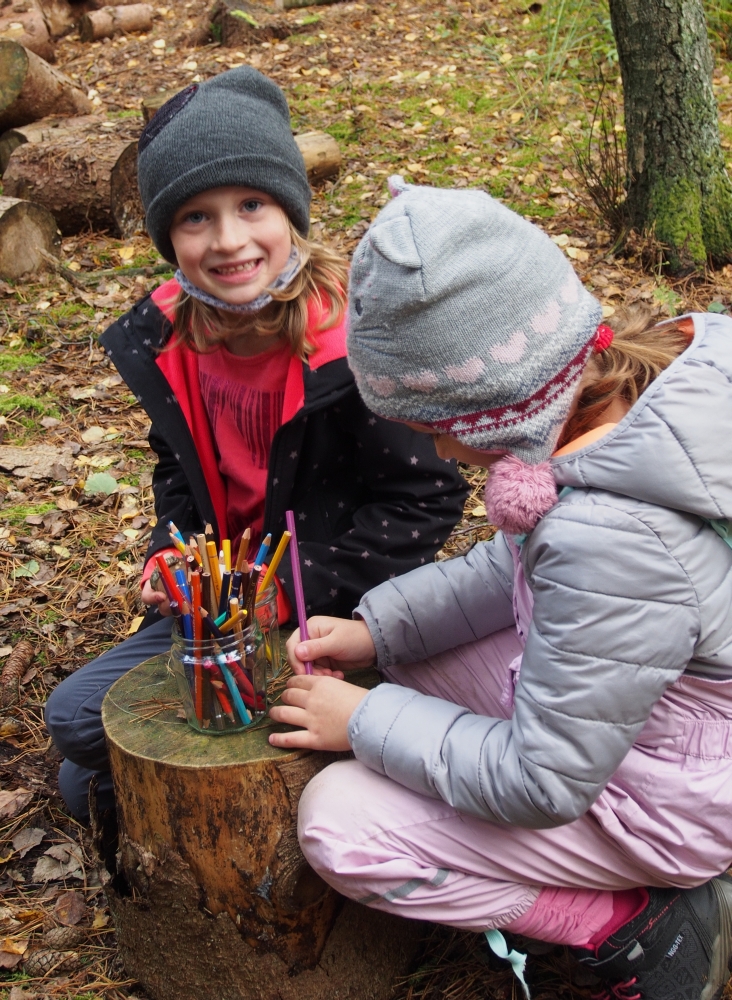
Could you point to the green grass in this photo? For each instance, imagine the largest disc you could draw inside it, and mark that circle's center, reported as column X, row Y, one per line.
column 11, row 362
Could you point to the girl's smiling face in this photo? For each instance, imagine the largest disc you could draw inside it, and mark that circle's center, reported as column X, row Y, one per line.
column 231, row 242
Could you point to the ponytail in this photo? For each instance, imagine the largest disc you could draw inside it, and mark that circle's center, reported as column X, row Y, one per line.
column 640, row 350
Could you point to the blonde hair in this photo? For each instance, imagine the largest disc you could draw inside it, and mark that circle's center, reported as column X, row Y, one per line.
column 323, row 276
column 641, row 349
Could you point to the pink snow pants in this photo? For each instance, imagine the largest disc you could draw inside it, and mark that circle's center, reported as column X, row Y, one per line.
column 665, row 818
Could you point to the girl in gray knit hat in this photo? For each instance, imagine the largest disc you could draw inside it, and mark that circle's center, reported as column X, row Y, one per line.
column 240, row 364
column 552, row 753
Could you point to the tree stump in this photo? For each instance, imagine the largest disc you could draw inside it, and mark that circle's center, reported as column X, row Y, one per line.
column 212, row 896
column 28, row 28
column 30, row 89
column 110, row 21
column 237, row 22
column 79, row 171
column 25, row 229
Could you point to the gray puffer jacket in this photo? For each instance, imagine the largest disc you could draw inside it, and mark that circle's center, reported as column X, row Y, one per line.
column 631, row 587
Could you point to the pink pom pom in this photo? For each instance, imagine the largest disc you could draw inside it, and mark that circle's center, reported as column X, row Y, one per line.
column 517, row 495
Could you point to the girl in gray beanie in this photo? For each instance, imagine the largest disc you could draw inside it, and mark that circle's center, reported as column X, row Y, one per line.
column 240, row 363
column 552, row 753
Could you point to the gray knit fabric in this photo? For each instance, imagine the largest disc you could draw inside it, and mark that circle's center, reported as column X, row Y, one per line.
column 232, row 129
column 467, row 317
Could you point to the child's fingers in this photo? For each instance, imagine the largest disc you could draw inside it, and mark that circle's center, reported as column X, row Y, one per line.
column 300, row 739
column 289, row 715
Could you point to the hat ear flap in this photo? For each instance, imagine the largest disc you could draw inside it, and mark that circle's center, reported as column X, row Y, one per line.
column 395, row 241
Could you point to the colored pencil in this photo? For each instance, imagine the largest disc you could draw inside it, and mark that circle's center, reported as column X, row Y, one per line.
column 272, row 568
column 302, row 619
column 243, row 549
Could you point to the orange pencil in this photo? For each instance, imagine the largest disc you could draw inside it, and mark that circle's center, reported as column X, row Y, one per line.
column 243, row 549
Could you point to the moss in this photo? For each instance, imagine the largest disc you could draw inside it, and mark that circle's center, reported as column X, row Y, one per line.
column 16, row 515
column 717, row 215
column 674, row 211
column 10, row 362
column 45, row 406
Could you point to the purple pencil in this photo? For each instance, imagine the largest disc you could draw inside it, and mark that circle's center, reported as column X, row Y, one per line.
column 302, row 619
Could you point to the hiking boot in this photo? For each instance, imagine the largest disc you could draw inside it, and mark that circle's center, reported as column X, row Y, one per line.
column 676, row 948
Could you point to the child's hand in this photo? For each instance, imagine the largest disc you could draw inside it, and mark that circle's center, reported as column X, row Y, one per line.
column 322, row 706
column 155, row 597
column 335, row 645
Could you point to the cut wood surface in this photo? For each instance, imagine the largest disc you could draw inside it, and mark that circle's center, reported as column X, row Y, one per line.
column 240, row 22
column 25, row 230
column 30, row 89
column 110, row 21
column 71, row 171
column 29, row 29
column 223, row 903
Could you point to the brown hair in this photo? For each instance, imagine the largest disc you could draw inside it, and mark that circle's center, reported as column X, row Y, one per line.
column 640, row 350
column 323, row 275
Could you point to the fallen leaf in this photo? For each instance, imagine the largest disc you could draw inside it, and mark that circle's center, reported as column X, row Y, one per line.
column 9, row 961
column 14, row 946
column 11, row 803
column 29, row 569
column 422, row 77
column 608, row 311
column 61, row 551
column 34, row 461
column 70, row 908
column 5, row 650
column 101, row 482
column 437, row 109
column 562, row 240
column 28, row 676
column 10, row 727
column 478, row 511
column 58, row 862
column 66, row 503
column 576, row 254
column 135, row 624
column 101, row 919
column 410, row 37
column 27, row 839
column 93, row 435
column 127, row 253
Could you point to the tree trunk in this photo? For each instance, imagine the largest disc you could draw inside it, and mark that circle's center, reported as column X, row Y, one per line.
column 677, row 182
column 211, row 894
column 29, row 29
column 124, row 194
column 72, row 171
column 30, row 89
column 321, row 154
column 45, row 130
column 24, row 228
column 110, row 21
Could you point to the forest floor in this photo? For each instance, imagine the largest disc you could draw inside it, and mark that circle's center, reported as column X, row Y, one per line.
column 487, row 94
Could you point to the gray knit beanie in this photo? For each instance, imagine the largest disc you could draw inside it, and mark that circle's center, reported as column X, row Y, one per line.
column 231, row 130
column 466, row 317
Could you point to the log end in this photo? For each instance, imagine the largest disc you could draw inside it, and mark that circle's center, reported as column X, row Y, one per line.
column 27, row 230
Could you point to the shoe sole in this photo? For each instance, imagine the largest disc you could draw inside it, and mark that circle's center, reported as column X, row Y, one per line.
column 719, row 970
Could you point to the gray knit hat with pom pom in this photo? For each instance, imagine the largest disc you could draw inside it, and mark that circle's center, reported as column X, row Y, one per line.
column 466, row 317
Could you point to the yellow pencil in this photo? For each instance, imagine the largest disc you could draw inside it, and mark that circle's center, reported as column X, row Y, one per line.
column 213, row 562
column 272, row 568
column 226, row 547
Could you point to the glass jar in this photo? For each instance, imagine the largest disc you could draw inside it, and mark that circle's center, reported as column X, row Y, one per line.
column 223, row 684
column 266, row 612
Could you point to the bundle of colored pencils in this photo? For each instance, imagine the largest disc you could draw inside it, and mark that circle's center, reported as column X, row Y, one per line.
column 213, row 602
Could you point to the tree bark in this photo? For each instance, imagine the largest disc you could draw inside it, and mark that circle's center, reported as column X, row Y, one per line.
column 45, row 130
column 72, row 171
column 110, row 21
column 678, row 185
column 29, row 29
column 59, row 17
column 211, row 894
column 24, row 228
column 30, row 89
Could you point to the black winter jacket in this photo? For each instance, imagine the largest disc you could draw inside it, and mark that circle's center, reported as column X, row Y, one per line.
column 371, row 498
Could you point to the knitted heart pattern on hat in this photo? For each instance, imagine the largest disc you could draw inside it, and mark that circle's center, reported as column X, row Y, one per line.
column 466, row 317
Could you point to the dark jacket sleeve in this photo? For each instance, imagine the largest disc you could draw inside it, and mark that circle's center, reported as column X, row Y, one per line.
column 411, row 500
column 173, row 497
